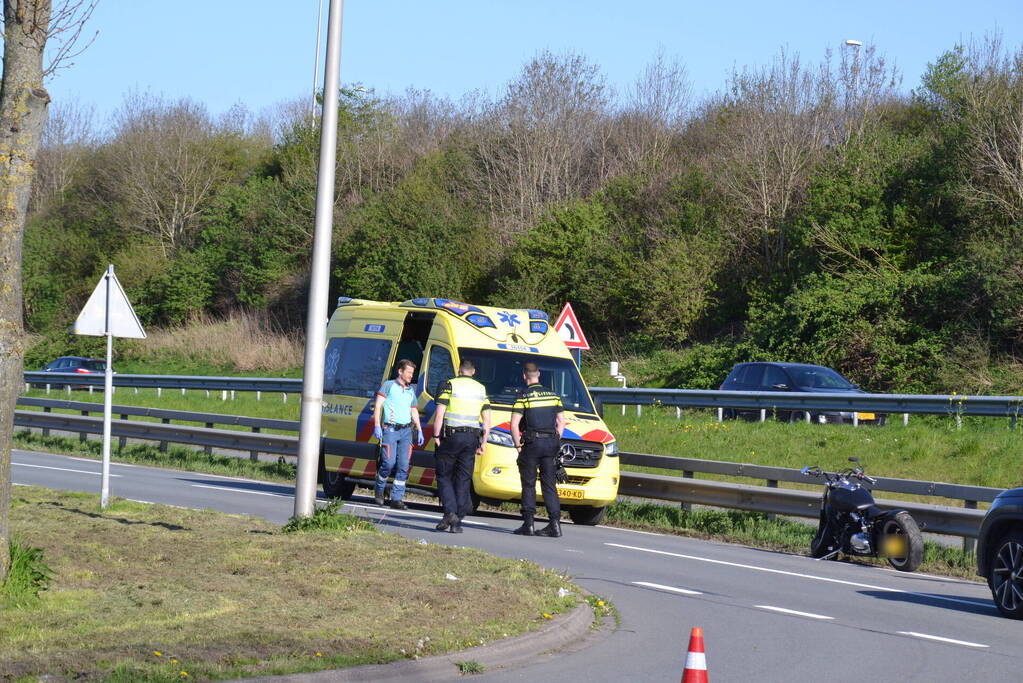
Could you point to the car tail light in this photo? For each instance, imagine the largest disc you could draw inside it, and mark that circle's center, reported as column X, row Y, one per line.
column 83, row 371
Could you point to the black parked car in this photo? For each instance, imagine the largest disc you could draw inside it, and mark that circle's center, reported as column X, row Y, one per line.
column 760, row 376
column 76, row 364
column 1000, row 552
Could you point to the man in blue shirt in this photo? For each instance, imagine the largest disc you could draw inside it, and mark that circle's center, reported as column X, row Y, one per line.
column 394, row 413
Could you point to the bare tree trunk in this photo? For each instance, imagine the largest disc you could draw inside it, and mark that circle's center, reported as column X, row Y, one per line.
column 23, row 103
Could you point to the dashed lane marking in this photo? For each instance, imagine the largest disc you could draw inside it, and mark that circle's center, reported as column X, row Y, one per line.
column 62, row 469
column 792, row 611
column 941, row 639
column 673, row 589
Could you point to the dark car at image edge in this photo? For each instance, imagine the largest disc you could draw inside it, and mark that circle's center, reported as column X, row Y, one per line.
column 1000, row 552
column 76, row 364
column 797, row 377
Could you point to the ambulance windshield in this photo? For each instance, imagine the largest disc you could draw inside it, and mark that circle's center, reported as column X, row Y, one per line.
column 501, row 373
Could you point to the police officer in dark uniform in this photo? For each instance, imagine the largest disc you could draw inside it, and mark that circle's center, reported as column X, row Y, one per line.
column 457, row 429
column 537, row 421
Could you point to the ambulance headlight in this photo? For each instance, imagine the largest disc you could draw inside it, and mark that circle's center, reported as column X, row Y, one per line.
column 611, row 448
column 500, row 438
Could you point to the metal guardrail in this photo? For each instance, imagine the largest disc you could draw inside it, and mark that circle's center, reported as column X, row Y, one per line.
column 924, row 404
column 279, row 384
column 940, row 519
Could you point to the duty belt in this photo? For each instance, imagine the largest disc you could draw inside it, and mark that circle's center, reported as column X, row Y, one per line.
column 454, row 430
column 541, row 435
column 397, row 426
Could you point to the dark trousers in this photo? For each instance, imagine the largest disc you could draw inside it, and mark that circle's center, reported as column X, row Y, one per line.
column 542, row 454
column 455, row 459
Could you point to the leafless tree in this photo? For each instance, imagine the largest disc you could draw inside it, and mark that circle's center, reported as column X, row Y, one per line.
column 27, row 26
column 776, row 124
column 542, row 141
column 68, row 137
column 653, row 114
column 992, row 93
column 162, row 164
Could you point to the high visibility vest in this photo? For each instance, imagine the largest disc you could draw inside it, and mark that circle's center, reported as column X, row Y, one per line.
column 465, row 398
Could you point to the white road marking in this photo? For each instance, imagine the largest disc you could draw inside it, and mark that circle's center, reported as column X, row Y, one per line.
column 792, row 611
column 62, row 469
column 236, row 490
column 962, row 601
column 409, row 513
column 673, row 589
column 942, row 640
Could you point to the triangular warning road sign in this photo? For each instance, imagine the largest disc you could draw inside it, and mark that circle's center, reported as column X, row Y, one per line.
column 93, row 319
column 569, row 330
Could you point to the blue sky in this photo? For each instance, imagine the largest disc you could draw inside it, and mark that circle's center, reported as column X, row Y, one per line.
column 260, row 52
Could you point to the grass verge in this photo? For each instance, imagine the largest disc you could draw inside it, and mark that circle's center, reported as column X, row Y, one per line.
column 157, row 593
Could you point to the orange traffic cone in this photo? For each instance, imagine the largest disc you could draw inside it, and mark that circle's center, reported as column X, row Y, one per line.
column 696, row 660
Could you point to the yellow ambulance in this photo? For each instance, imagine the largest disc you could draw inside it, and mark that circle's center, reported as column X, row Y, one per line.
column 365, row 339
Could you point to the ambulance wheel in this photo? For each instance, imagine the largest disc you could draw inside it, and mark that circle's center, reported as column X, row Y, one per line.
column 586, row 514
column 336, row 485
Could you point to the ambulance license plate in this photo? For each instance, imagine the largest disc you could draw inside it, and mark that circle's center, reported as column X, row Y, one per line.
column 570, row 493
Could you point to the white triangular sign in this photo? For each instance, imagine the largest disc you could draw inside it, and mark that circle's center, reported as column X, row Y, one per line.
column 93, row 318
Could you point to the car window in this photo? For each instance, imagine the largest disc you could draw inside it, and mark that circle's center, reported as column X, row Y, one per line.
column 751, row 374
column 95, row 365
column 355, row 366
column 774, row 375
column 822, row 378
column 439, row 370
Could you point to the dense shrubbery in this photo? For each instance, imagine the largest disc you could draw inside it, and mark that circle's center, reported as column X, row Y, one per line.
column 809, row 213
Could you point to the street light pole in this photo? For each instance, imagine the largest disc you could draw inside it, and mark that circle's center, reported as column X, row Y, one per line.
column 855, row 45
column 316, row 320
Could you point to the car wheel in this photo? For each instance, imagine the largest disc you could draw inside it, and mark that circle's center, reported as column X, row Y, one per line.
column 586, row 514
column 1006, row 578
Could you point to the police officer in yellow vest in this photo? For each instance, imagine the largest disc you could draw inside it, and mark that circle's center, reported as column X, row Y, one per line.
column 461, row 408
column 537, row 421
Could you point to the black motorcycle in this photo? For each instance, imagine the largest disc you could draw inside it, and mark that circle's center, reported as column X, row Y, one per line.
column 851, row 523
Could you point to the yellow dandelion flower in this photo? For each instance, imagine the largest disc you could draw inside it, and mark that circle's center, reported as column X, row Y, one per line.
column 319, row 654
column 600, row 603
column 174, row 661
column 547, row 616
column 157, row 653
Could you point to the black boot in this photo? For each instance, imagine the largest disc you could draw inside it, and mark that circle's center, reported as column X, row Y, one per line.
column 552, row 530
column 527, row 525
column 447, row 521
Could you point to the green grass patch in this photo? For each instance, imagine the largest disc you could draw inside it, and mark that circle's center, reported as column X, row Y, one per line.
column 28, row 576
column 330, row 519
column 145, row 592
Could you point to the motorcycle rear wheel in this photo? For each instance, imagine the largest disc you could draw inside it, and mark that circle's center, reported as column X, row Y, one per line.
column 902, row 524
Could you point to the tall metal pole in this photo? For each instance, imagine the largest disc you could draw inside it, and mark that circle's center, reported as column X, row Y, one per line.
column 316, row 59
column 316, row 322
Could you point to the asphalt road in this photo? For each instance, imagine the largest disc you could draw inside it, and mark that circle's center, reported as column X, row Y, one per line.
column 766, row 616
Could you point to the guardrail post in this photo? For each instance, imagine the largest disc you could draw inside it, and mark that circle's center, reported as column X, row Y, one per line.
column 763, row 414
column 209, row 449
column 905, row 419
column 771, row 484
column 254, row 455
column 122, row 441
column 82, row 436
column 159, row 392
column 687, row 507
column 639, row 410
column 856, row 419
column 721, row 414
column 258, row 395
column 163, row 444
column 969, row 544
column 46, row 409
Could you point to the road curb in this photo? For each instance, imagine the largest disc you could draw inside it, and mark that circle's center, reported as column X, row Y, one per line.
column 570, row 631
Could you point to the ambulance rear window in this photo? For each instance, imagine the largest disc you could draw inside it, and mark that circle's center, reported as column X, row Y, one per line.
column 355, row 367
